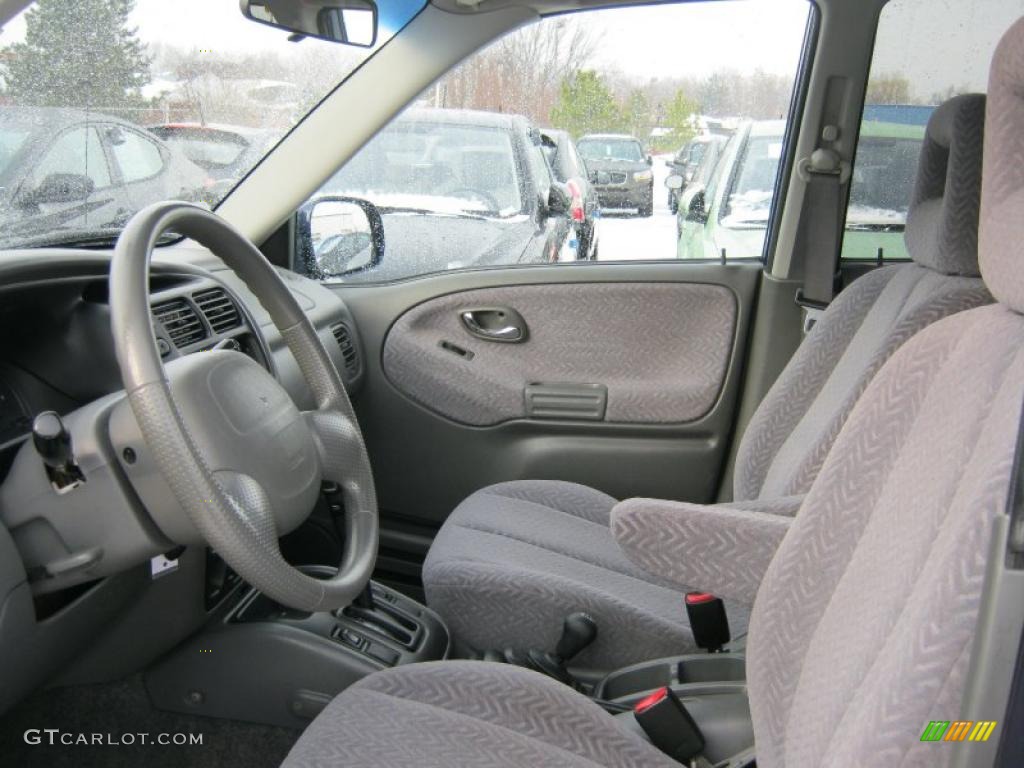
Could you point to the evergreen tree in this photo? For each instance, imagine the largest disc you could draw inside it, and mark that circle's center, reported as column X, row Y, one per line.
column 679, row 114
column 78, row 53
column 637, row 115
column 586, row 105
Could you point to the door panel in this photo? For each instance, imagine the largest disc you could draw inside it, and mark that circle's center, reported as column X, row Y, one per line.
column 656, row 353
column 425, row 463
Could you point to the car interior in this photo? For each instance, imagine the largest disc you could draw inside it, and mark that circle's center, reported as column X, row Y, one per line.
column 471, row 504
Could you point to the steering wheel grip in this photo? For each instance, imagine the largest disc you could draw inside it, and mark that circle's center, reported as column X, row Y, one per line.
column 231, row 509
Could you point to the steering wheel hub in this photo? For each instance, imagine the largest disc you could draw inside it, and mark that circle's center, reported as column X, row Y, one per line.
column 243, row 421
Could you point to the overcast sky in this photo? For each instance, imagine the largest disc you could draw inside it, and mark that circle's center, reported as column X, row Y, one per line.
column 941, row 43
column 935, row 43
column 700, row 38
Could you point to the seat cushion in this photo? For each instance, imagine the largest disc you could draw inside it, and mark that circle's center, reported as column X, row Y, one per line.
column 514, row 559
column 469, row 713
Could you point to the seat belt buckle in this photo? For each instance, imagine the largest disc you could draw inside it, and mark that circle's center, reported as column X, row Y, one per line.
column 669, row 726
column 813, row 310
column 708, row 622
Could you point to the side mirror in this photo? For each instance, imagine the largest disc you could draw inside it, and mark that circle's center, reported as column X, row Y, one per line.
column 650, row 160
column 351, row 22
column 559, row 200
column 340, row 236
column 675, row 182
column 60, row 188
column 695, row 208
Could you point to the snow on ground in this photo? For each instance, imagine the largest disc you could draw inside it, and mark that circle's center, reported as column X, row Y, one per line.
column 624, row 236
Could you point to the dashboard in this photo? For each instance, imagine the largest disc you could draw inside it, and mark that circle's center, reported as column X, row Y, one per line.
column 73, row 559
column 56, row 348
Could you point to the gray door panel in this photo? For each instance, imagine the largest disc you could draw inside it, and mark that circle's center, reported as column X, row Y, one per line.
column 658, row 350
column 657, row 443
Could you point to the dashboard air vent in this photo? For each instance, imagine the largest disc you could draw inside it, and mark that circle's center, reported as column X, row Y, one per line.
column 218, row 309
column 180, row 321
column 343, row 336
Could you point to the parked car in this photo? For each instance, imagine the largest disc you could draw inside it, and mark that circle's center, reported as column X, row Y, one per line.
column 459, row 188
column 225, row 152
column 729, row 213
column 677, row 185
column 570, row 169
column 67, row 169
column 688, row 159
column 620, row 170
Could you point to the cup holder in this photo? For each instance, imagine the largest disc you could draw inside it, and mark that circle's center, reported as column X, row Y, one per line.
column 713, row 668
column 726, row 669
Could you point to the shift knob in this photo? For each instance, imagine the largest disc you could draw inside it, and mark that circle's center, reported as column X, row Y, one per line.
column 52, row 440
column 578, row 631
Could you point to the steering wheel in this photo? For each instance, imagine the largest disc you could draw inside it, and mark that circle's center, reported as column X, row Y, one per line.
column 242, row 461
column 479, row 194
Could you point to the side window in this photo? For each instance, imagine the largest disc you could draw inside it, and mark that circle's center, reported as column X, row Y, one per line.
column 77, row 151
column 454, row 178
column 911, row 74
column 136, row 156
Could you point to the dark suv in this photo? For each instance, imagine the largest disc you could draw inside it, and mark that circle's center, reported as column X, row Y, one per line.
column 621, row 171
column 459, row 188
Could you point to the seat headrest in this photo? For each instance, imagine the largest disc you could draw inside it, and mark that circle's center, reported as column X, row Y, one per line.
column 942, row 221
column 1002, row 197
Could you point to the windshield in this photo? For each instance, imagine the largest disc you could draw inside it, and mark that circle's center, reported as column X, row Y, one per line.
column 211, row 148
column 622, row 150
column 427, row 165
column 11, row 140
column 750, row 199
column 110, row 106
column 883, row 181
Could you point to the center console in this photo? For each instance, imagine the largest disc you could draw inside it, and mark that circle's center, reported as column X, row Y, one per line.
column 260, row 661
column 712, row 686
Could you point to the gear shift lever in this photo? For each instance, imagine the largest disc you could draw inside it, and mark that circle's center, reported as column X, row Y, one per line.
column 365, row 598
column 578, row 631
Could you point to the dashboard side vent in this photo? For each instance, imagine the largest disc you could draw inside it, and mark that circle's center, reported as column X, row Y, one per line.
column 218, row 309
column 180, row 321
column 349, row 354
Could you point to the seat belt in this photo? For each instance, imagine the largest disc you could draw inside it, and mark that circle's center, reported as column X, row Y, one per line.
column 820, row 230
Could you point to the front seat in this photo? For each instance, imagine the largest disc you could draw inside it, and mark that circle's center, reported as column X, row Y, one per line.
column 515, row 558
column 861, row 632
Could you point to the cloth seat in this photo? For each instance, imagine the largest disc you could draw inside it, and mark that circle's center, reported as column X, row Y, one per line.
column 467, row 713
column 512, row 560
column 862, row 629
column 555, row 538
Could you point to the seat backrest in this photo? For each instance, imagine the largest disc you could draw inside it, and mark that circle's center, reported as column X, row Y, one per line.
column 862, row 629
column 795, row 425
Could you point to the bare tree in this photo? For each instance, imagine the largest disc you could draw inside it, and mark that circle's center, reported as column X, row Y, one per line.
column 522, row 72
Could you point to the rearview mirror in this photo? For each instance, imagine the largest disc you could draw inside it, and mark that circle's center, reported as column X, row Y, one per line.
column 559, row 201
column 674, row 181
column 695, row 208
column 351, row 22
column 60, row 188
column 340, row 236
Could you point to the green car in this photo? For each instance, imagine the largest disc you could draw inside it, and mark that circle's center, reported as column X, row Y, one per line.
column 729, row 213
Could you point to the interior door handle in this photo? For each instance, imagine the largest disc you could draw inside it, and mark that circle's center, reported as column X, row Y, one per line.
column 494, row 324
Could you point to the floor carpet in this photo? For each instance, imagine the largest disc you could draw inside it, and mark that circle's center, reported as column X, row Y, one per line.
column 120, row 709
